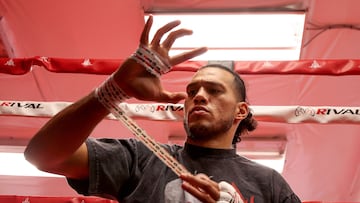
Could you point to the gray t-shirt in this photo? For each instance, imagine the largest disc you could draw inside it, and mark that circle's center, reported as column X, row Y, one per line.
column 127, row 171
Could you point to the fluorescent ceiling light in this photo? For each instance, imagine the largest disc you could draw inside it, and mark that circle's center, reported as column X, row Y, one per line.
column 239, row 36
column 271, row 159
column 276, row 164
column 266, row 150
column 15, row 164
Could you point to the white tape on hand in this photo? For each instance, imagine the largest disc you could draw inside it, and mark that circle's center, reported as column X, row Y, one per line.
column 228, row 194
column 152, row 61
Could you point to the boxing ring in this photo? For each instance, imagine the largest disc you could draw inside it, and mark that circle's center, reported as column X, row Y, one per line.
column 286, row 114
column 313, row 103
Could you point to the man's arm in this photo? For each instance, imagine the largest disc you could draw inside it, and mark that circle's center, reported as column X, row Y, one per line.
column 58, row 147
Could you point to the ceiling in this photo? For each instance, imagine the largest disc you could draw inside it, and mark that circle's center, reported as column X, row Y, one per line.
column 322, row 161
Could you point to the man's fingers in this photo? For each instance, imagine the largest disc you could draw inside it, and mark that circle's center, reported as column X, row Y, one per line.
column 198, row 193
column 209, row 186
column 169, row 41
column 144, row 39
column 172, row 97
column 202, row 186
column 160, row 32
column 187, row 55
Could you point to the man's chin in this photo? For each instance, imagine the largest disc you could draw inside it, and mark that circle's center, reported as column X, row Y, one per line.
column 198, row 132
column 199, row 117
column 198, row 126
column 199, row 122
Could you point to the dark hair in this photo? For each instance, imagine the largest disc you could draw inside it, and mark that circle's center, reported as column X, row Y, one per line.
column 248, row 123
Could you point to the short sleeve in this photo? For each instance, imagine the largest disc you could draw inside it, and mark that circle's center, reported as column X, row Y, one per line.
column 112, row 163
column 282, row 190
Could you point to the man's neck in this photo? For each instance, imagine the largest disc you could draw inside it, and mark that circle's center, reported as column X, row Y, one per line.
column 212, row 143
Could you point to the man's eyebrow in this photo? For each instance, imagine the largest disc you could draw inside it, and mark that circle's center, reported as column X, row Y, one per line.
column 206, row 83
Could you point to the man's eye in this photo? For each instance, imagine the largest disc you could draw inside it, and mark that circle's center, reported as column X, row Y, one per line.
column 191, row 92
column 214, row 91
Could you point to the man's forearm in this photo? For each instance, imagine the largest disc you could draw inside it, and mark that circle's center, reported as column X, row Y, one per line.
column 60, row 137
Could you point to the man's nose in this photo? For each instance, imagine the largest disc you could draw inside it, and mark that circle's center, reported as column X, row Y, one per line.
column 201, row 96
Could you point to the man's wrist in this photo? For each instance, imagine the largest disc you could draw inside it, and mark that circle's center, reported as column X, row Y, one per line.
column 109, row 93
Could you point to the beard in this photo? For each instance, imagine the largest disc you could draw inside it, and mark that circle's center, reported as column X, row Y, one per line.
column 206, row 132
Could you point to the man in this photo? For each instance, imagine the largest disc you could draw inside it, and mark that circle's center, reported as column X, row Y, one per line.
column 215, row 116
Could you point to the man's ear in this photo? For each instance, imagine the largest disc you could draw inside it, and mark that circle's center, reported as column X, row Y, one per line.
column 242, row 110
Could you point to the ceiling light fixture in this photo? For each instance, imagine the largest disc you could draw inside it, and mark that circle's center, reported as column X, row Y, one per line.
column 239, row 36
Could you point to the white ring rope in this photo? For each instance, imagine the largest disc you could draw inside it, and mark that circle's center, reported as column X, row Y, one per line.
column 174, row 112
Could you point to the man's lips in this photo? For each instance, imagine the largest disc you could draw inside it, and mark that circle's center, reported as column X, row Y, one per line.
column 199, row 110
